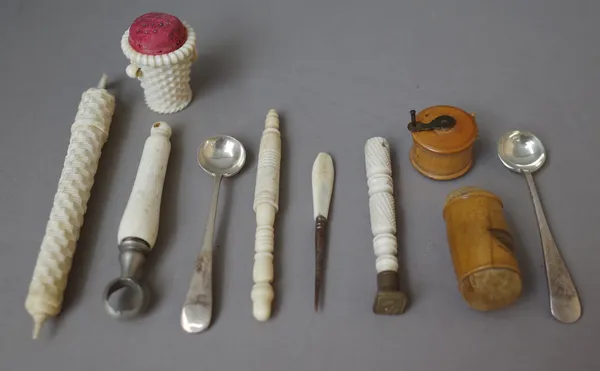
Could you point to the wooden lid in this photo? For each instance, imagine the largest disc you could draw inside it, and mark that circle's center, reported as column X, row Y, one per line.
column 445, row 141
column 468, row 191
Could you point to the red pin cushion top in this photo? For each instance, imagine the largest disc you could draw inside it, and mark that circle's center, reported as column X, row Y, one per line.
column 157, row 33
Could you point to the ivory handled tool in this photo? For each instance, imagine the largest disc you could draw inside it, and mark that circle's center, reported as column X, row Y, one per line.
column 322, row 188
column 389, row 298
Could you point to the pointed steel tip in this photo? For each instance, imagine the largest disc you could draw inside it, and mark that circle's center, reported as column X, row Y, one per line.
column 317, row 295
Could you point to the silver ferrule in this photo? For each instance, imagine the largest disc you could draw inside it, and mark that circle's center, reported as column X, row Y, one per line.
column 132, row 255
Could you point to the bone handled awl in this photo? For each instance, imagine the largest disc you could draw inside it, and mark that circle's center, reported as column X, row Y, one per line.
column 138, row 229
column 89, row 132
column 266, row 205
column 389, row 298
column 322, row 188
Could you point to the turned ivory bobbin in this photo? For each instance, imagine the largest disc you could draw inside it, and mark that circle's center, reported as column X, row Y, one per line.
column 482, row 249
column 443, row 138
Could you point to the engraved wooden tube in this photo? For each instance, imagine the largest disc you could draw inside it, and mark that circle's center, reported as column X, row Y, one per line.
column 266, row 204
column 482, row 249
column 389, row 299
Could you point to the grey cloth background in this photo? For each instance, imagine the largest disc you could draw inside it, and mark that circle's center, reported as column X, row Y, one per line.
column 339, row 72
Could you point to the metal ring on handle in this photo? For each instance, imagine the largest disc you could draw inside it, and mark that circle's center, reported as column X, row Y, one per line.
column 136, row 294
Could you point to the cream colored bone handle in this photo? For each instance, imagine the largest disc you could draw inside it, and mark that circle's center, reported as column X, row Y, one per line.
column 266, row 204
column 142, row 213
column 381, row 204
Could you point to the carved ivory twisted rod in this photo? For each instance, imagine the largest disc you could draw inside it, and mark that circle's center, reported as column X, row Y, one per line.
column 88, row 135
column 266, row 204
column 389, row 299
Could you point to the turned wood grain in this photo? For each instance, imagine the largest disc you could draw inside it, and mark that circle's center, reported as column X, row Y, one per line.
column 482, row 249
column 444, row 154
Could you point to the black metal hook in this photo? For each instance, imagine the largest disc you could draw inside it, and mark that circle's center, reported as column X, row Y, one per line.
column 438, row 123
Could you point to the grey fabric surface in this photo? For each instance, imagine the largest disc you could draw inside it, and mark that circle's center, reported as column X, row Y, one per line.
column 339, row 72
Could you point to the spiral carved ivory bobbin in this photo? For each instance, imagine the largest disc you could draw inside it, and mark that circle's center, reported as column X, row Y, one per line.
column 266, row 205
column 88, row 134
column 138, row 228
column 164, row 74
column 389, row 299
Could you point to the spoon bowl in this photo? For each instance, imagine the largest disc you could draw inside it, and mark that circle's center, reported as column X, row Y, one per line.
column 221, row 155
column 521, row 151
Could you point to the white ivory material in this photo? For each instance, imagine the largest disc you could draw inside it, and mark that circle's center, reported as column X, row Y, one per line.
column 165, row 78
column 381, row 204
column 142, row 212
column 266, row 204
column 322, row 184
column 88, row 134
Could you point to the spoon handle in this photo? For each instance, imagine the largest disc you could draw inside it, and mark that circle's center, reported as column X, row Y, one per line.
column 197, row 308
column 564, row 300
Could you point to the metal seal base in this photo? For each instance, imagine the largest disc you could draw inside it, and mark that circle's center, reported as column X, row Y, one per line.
column 389, row 300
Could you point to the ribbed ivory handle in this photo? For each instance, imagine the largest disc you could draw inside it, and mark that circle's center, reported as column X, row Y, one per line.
column 381, row 204
column 266, row 204
column 142, row 213
column 88, row 135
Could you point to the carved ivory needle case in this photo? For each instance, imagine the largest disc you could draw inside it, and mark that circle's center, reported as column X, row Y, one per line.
column 389, row 299
column 89, row 132
column 266, row 204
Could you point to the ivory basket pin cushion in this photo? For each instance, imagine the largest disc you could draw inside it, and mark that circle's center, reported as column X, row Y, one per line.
column 161, row 49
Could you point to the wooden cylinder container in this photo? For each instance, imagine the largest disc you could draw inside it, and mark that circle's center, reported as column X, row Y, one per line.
column 445, row 153
column 482, row 249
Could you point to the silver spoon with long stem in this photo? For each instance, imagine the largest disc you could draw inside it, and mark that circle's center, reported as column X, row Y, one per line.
column 523, row 152
column 221, row 156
